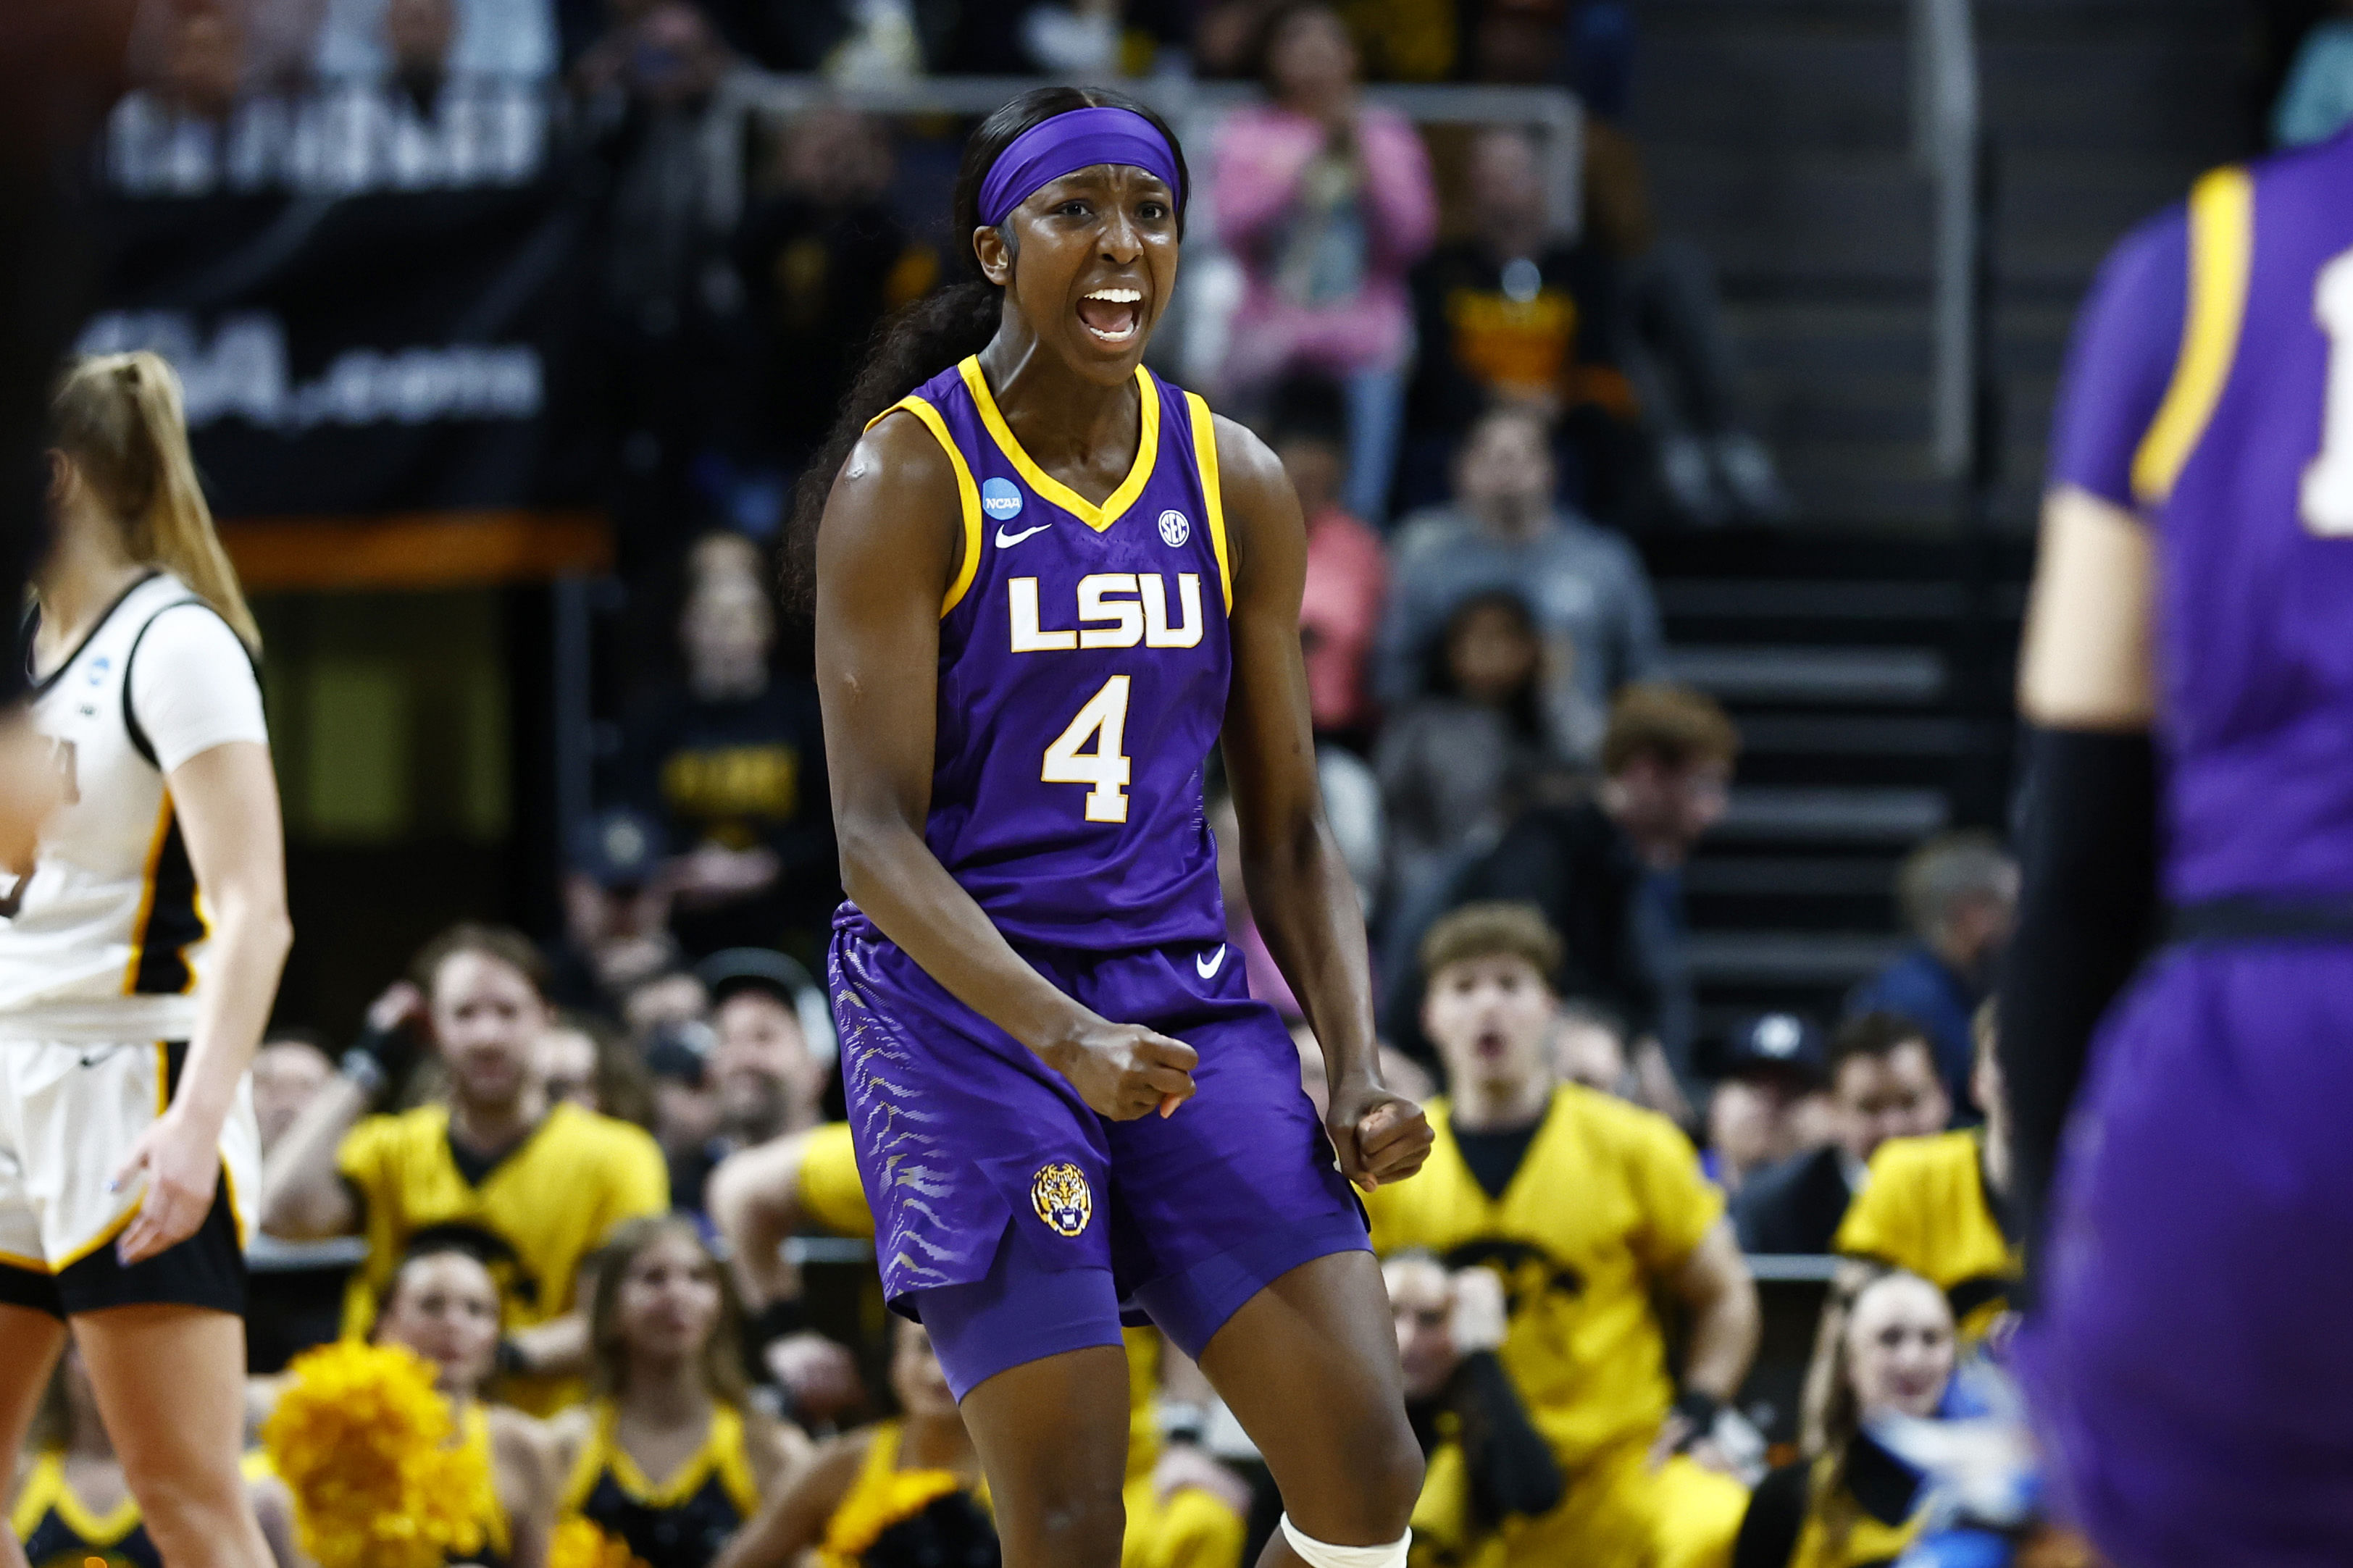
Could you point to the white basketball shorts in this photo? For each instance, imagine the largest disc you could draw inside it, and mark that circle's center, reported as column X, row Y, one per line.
column 68, row 1116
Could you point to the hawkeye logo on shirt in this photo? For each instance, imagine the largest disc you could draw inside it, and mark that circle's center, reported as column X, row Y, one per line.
column 1528, row 1272
column 1115, row 609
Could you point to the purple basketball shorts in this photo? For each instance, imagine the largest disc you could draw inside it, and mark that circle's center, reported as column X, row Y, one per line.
column 1014, row 1222
column 2191, row 1363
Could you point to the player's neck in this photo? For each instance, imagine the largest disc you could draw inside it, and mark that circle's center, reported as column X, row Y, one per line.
column 1502, row 1107
column 1066, row 422
column 85, row 572
column 486, row 1128
column 667, row 1395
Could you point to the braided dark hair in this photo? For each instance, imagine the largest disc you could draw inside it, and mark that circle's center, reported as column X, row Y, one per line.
column 941, row 328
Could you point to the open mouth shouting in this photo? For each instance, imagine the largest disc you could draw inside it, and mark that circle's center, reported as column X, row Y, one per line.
column 1112, row 315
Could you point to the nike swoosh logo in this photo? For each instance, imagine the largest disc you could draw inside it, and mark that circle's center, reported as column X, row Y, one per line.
column 1207, row 967
column 1005, row 540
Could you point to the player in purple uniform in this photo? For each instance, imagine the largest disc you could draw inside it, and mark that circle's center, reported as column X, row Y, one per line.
column 1046, row 584
column 2189, row 1355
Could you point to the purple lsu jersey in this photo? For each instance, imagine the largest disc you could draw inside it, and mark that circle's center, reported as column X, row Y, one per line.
column 1082, row 674
column 2210, row 387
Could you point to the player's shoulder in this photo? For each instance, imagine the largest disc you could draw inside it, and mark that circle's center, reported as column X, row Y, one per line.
column 596, row 1136
column 1245, row 462
column 522, row 1439
column 1619, row 1124
column 187, row 634
column 419, row 1127
column 827, row 1149
column 2320, row 171
column 1908, row 1161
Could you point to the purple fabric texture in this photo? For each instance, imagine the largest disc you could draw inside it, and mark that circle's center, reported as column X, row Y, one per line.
column 1027, row 849
column 2189, row 1366
column 2253, row 653
column 2120, row 359
column 957, row 1126
column 1067, row 143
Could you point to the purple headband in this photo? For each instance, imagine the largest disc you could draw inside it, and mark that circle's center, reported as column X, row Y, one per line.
column 1067, row 143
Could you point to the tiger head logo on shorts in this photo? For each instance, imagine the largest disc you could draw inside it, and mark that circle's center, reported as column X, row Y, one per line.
column 1058, row 1192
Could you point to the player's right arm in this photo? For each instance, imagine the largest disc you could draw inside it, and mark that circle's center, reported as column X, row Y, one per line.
column 305, row 1194
column 2086, row 690
column 885, row 555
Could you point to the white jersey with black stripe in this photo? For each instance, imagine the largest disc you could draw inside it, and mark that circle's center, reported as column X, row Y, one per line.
column 105, row 940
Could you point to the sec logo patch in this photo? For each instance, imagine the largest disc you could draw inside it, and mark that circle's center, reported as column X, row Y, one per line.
column 1058, row 1192
column 1174, row 530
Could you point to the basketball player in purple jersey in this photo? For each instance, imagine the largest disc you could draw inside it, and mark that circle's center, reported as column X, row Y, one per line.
column 2191, row 1356
column 1046, row 584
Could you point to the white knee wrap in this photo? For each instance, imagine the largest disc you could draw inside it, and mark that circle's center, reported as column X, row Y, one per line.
column 1323, row 1554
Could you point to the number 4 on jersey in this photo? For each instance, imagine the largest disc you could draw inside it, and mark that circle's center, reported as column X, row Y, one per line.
column 1103, row 720
column 2328, row 480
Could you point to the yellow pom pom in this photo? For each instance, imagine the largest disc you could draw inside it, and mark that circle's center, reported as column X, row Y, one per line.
column 579, row 1544
column 361, row 1439
column 868, row 1511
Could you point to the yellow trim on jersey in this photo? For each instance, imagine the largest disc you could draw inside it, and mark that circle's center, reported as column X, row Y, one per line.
column 30, row 1265
column 722, row 1453
column 147, row 898
column 103, row 1238
column 47, row 1490
column 2222, row 256
column 1205, row 457
column 967, row 494
column 1049, row 487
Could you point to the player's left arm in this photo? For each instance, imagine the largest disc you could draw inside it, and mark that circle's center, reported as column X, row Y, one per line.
column 225, row 801
column 1299, row 890
column 1717, row 1291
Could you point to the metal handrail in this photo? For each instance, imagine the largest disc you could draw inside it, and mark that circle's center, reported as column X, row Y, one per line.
column 1946, row 119
column 1193, row 107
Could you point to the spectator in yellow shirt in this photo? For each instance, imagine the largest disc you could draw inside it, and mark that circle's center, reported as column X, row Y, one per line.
column 1938, row 1207
column 1589, row 1208
column 528, row 1187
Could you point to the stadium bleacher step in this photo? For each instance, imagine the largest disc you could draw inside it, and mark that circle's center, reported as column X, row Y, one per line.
column 1778, row 134
column 1842, row 659
column 1865, row 655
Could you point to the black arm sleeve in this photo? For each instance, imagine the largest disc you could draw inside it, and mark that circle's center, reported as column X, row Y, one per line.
column 2087, row 840
column 1510, row 1465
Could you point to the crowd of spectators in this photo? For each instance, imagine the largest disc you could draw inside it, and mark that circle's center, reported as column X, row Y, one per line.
column 1474, row 420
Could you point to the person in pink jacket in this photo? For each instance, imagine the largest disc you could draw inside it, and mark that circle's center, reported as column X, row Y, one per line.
column 1327, row 203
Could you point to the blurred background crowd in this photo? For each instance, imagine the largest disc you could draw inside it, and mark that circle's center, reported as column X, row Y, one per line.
column 1662, row 720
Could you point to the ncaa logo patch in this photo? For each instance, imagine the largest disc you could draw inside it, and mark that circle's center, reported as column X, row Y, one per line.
column 1058, row 1192
column 1000, row 499
column 1174, row 530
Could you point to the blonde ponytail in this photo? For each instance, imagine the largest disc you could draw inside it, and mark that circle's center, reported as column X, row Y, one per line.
column 119, row 418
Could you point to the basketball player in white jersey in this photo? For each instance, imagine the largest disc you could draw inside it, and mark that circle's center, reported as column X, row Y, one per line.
column 138, row 959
